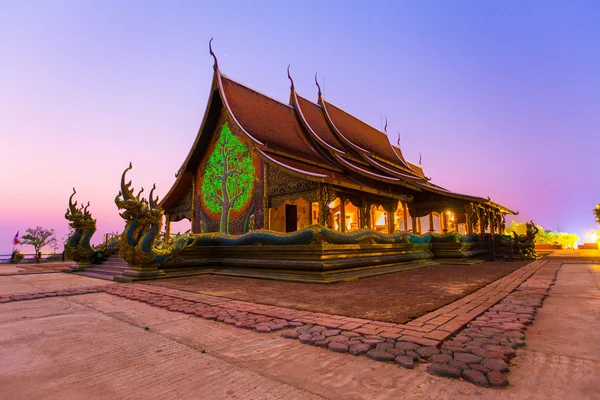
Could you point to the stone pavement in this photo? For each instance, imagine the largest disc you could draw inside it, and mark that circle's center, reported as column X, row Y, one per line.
column 95, row 346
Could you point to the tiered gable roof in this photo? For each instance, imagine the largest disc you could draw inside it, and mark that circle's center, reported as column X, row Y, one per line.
column 317, row 141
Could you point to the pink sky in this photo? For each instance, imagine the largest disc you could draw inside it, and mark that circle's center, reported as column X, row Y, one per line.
column 501, row 98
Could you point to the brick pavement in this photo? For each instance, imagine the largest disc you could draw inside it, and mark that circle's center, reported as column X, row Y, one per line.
column 419, row 340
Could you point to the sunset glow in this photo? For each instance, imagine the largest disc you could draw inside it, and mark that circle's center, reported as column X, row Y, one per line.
column 500, row 98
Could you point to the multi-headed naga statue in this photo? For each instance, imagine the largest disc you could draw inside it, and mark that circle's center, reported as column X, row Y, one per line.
column 140, row 244
column 77, row 246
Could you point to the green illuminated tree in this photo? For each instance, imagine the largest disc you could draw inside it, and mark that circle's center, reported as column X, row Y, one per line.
column 228, row 178
column 597, row 213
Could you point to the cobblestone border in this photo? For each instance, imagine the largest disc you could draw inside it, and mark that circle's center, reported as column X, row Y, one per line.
column 497, row 316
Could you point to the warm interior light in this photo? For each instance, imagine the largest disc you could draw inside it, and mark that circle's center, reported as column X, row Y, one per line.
column 380, row 220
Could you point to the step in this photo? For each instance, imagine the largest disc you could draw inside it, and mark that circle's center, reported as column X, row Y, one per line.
column 107, row 270
column 91, row 274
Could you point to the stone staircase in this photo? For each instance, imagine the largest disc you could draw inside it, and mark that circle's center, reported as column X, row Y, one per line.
column 108, row 270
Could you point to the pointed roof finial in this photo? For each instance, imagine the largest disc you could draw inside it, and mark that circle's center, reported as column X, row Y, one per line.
column 385, row 127
column 290, row 78
column 398, row 138
column 317, row 83
column 420, row 159
column 216, row 66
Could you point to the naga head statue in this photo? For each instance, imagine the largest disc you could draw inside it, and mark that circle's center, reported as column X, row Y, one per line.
column 132, row 205
column 79, row 217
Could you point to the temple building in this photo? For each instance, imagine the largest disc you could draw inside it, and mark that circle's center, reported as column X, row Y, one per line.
column 257, row 163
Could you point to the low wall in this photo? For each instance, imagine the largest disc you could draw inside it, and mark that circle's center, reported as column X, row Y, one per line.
column 322, row 262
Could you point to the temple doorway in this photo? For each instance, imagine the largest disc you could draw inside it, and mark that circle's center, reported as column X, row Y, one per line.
column 291, row 218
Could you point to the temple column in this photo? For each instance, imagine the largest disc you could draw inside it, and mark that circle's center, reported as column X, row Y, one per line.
column 167, row 226
column 323, row 213
column 266, row 209
column 430, row 221
column 492, row 219
column 390, row 209
column 444, row 221
column 420, row 225
column 342, row 214
column 468, row 220
column 414, row 225
column 405, row 215
column 365, row 214
column 481, row 227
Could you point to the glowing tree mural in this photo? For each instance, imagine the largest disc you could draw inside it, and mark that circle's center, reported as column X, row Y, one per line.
column 228, row 177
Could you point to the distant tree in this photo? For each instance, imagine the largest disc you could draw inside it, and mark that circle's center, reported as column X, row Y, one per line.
column 38, row 237
column 543, row 236
column 228, row 177
column 597, row 213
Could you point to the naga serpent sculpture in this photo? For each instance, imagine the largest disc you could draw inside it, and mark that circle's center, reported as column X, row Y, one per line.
column 77, row 245
column 139, row 243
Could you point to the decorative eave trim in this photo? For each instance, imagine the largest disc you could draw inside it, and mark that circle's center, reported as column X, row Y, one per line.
column 271, row 150
column 378, row 165
column 290, row 168
column 372, row 175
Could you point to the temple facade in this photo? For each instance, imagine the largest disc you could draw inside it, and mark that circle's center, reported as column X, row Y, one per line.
column 257, row 163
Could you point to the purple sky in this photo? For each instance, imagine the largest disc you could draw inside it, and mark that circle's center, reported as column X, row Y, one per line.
column 501, row 98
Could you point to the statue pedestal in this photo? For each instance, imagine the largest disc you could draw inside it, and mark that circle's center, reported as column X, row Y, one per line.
column 78, row 266
column 136, row 272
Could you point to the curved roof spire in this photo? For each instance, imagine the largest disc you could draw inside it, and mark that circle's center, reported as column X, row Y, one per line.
column 290, row 78
column 317, row 83
column 216, row 65
column 385, row 127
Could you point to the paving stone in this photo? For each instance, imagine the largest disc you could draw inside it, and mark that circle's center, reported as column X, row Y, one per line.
column 317, row 329
column 515, row 326
column 461, row 339
column 295, row 324
column 515, row 334
column 371, row 342
column 339, row 338
column 467, row 357
column 475, row 377
column 262, row 329
column 317, row 338
column 320, row 343
column 497, row 379
column 479, row 367
column 305, row 338
column 290, row 334
column 441, row 358
column 443, row 370
column 396, row 352
column 495, row 364
column 359, row 349
column 490, row 354
column 304, row 328
column 412, row 354
column 331, row 332
column 380, row 355
column 351, row 334
column 459, row 364
column 428, row 351
column 338, row 347
column 405, row 361
column 407, row 345
column 384, row 346
column 507, row 351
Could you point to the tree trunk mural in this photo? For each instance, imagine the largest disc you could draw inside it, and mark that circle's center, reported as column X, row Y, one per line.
column 228, row 178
